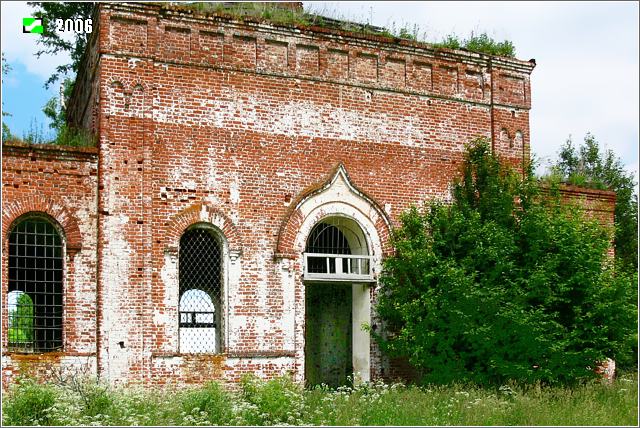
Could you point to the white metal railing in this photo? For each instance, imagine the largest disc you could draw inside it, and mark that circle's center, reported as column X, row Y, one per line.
column 337, row 267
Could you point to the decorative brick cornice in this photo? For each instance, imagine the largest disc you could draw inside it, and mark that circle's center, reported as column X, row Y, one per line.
column 53, row 151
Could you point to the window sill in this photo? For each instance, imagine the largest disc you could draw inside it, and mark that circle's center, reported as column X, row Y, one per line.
column 46, row 355
column 234, row 354
column 187, row 354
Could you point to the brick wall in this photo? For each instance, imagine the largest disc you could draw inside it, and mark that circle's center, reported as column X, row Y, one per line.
column 242, row 118
column 595, row 204
column 61, row 185
column 206, row 119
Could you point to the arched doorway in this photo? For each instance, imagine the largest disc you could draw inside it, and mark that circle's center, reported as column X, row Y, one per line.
column 337, row 262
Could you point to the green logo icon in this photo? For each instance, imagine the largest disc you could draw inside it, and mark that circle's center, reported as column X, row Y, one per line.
column 32, row 25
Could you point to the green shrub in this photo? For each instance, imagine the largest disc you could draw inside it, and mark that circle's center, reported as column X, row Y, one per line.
column 276, row 401
column 594, row 403
column 97, row 400
column 485, row 44
column 503, row 284
column 29, row 403
column 73, row 137
column 211, row 403
column 480, row 43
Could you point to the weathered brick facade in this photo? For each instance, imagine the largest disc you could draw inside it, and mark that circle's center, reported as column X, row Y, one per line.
column 259, row 131
column 60, row 184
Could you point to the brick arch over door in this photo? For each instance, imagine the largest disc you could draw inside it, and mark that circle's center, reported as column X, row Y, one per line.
column 295, row 217
column 11, row 211
column 196, row 214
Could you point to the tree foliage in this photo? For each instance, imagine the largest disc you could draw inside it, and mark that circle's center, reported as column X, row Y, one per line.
column 502, row 284
column 21, row 320
column 52, row 42
column 54, row 110
column 588, row 166
column 6, row 132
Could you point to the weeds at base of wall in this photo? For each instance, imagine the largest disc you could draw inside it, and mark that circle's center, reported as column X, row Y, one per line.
column 283, row 402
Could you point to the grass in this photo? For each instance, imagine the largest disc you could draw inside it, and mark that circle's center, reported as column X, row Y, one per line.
column 65, row 136
column 327, row 18
column 282, row 402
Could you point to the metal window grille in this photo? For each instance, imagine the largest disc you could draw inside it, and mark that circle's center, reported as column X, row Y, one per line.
column 336, row 251
column 200, row 266
column 326, row 238
column 35, row 299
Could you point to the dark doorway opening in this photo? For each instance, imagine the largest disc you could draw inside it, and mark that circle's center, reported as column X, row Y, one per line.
column 328, row 334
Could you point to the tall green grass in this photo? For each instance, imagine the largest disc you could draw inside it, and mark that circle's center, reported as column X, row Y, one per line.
column 282, row 402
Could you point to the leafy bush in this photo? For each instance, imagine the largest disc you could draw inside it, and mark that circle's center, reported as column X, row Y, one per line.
column 212, row 402
column 485, row 44
column 29, row 403
column 503, row 284
column 277, row 401
column 73, row 137
column 481, row 43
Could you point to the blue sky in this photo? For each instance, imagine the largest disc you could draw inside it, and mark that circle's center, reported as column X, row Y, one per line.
column 23, row 96
column 586, row 79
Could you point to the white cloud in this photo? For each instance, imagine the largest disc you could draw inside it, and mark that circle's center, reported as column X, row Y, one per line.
column 587, row 56
column 20, row 47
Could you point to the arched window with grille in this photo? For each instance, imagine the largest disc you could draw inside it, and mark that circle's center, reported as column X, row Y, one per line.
column 35, row 295
column 326, row 238
column 336, row 249
column 201, row 273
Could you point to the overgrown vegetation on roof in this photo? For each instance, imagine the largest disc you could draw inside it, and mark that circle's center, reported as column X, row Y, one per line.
column 479, row 43
column 279, row 14
column 62, row 133
column 64, row 136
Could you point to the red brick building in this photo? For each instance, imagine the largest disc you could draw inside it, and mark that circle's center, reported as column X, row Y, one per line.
column 236, row 210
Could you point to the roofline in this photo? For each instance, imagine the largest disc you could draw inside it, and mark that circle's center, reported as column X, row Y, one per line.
column 458, row 55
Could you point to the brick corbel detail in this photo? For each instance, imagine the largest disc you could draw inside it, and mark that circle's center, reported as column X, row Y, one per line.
column 52, row 208
column 201, row 213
